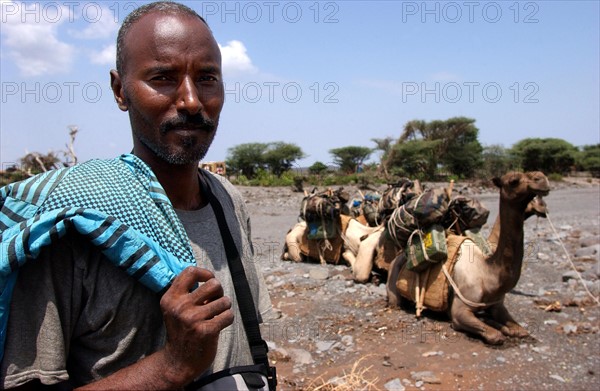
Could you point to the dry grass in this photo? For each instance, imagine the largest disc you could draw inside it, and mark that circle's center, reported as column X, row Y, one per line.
column 358, row 379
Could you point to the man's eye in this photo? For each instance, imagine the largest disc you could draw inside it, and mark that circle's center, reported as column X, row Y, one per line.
column 207, row 79
column 159, row 78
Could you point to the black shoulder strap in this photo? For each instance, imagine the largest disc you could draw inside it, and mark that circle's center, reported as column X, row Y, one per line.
column 258, row 347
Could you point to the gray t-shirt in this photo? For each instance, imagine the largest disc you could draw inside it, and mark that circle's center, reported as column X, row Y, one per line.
column 74, row 316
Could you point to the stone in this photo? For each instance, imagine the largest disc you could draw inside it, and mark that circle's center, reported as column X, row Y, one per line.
column 301, row 357
column 324, row 346
column 319, row 274
column 347, row 340
column 556, row 377
column 589, row 241
column 501, row 359
column 543, row 257
column 394, row 385
column 589, row 251
column 569, row 328
column 425, row 377
column 570, row 275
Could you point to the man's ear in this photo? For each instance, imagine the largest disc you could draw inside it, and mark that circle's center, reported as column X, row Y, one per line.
column 116, row 84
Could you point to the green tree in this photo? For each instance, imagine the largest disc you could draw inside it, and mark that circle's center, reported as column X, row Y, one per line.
column 280, row 156
column 461, row 153
column 246, row 158
column 497, row 161
column 317, row 168
column 348, row 159
column 414, row 159
column 456, row 141
column 385, row 146
column 589, row 159
column 550, row 155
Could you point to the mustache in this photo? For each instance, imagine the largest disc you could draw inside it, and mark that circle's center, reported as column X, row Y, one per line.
column 186, row 121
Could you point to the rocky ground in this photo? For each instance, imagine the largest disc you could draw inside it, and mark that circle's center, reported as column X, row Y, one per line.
column 335, row 334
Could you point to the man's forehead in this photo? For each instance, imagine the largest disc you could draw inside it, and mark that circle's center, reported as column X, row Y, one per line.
column 157, row 34
column 167, row 23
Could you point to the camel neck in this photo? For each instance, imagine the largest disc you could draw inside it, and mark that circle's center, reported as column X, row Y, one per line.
column 508, row 256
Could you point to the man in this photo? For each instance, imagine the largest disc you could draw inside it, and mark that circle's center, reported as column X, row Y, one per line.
column 76, row 319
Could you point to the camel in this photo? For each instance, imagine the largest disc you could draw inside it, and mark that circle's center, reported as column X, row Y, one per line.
column 380, row 251
column 482, row 282
column 351, row 240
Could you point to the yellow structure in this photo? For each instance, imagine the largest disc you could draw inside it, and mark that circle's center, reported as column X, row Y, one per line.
column 215, row 167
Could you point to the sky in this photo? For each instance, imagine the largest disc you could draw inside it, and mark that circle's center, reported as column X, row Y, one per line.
column 319, row 74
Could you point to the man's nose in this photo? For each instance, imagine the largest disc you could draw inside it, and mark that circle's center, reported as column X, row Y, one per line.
column 188, row 98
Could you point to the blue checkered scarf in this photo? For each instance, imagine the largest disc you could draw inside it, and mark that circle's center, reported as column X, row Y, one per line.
column 117, row 205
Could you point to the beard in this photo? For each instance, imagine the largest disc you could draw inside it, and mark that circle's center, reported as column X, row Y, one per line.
column 189, row 149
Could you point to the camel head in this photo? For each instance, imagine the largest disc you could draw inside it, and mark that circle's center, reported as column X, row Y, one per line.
column 536, row 207
column 521, row 188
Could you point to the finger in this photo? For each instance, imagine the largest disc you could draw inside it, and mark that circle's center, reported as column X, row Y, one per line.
column 216, row 324
column 224, row 319
column 189, row 278
column 206, row 292
column 210, row 310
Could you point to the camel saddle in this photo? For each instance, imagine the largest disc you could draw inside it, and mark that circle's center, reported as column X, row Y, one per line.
column 431, row 284
column 329, row 250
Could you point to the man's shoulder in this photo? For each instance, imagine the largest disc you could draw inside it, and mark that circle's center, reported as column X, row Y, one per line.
column 221, row 185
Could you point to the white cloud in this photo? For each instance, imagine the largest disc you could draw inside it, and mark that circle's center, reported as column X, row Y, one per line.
column 106, row 56
column 33, row 44
column 235, row 59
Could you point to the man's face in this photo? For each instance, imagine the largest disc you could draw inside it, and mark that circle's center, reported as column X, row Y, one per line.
column 171, row 86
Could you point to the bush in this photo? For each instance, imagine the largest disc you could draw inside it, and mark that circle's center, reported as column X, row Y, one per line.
column 556, row 177
column 10, row 177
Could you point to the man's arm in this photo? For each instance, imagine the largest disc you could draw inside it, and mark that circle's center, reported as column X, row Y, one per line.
column 193, row 319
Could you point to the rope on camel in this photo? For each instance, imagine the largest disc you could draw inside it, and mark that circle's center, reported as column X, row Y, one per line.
column 570, row 261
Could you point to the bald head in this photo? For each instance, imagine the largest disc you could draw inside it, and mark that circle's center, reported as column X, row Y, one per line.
column 162, row 7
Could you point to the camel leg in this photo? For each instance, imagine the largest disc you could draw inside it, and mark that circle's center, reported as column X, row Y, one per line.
column 508, row 326
column 292, row 243
column 463, row 319
column 349, row 257
column 393, row 296
column 364, row 259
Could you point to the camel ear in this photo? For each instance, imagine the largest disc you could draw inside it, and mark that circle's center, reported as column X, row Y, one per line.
column 497, row 181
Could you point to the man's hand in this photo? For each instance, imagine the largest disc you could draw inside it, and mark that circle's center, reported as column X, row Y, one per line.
column 194, row 316
column 194, row 311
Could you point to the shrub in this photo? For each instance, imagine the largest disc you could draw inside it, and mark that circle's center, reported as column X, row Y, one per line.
column 555, row 177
